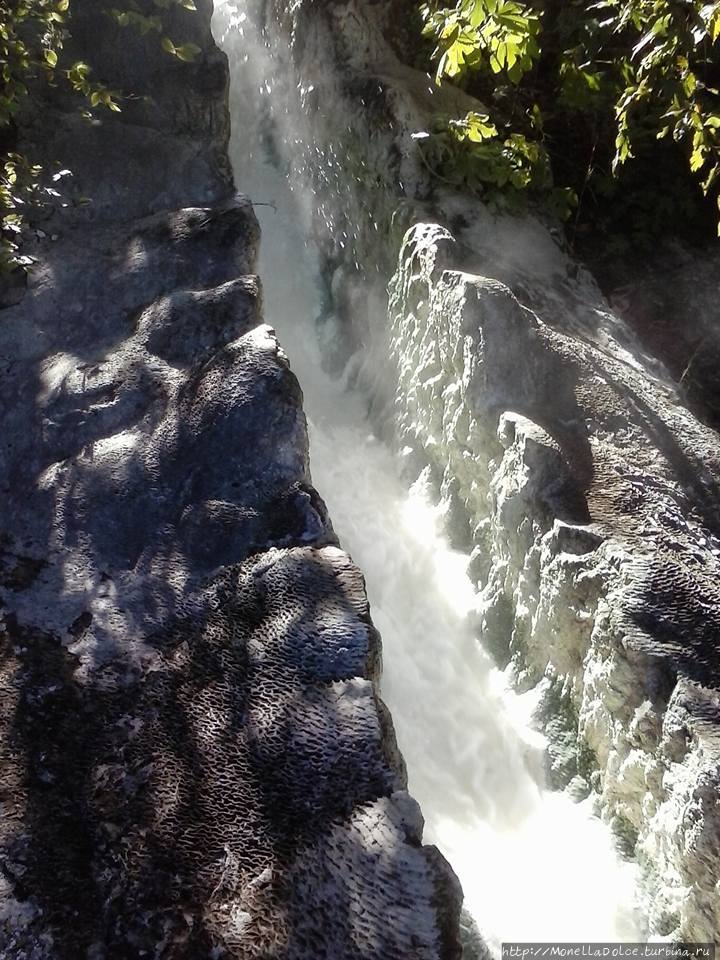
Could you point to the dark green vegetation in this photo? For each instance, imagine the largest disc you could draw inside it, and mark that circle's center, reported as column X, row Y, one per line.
column 34, row 38
column 608, row 113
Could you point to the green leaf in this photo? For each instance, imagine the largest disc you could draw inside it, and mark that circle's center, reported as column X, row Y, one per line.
column 188, row 52
column 715, row 25
column 711, row 178
column 51, row 58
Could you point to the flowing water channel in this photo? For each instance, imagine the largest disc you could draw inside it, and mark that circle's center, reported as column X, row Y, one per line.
column 533, row 864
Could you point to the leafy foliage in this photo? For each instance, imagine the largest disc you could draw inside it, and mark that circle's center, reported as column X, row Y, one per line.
column 33, row 34
column 666, row 74
column 498, row 39
column 470, row 152
column 144, row 23
column 499, row 34
column 575, row 92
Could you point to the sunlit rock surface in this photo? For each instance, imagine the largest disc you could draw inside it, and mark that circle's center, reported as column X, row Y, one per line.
column 568, row 462
column 195, row 761
column 591, row 502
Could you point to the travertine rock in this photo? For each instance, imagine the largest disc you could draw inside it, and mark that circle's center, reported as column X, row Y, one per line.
column 589, row 491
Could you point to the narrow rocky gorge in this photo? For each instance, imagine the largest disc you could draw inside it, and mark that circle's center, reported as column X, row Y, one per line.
column 195, row 759
column 565, row 453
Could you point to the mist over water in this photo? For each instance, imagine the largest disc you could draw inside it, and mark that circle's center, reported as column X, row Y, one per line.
column 533, row 864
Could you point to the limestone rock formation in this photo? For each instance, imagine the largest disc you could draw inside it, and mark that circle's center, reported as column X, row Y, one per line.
column 195, row 761
column 569, row 462
column 591, row 497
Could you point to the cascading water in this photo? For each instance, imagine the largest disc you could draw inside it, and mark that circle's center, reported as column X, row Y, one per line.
column 533, row 864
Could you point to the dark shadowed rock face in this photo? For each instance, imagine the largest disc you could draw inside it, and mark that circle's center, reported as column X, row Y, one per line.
column 195, row 762
column 671, row 301
column 167, row 148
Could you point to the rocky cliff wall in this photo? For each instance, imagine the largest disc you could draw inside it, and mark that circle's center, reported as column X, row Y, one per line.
column 195, row 760
column 568, row 462
column 590, row 496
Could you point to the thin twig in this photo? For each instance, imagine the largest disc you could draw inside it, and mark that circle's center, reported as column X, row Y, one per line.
column 691, row 361
column 262, row 203
column 581, row 196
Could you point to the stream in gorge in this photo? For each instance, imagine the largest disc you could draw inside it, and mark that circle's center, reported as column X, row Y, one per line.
column 533, row 864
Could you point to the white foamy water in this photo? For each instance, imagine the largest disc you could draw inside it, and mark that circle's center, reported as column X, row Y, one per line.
column 533, row 865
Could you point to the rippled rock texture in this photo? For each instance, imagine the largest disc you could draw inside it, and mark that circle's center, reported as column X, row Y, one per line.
column 570, row 466
column 591, row 496
column 195, row 761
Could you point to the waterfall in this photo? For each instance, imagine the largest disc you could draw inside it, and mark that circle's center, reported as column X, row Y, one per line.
column 534, row 865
